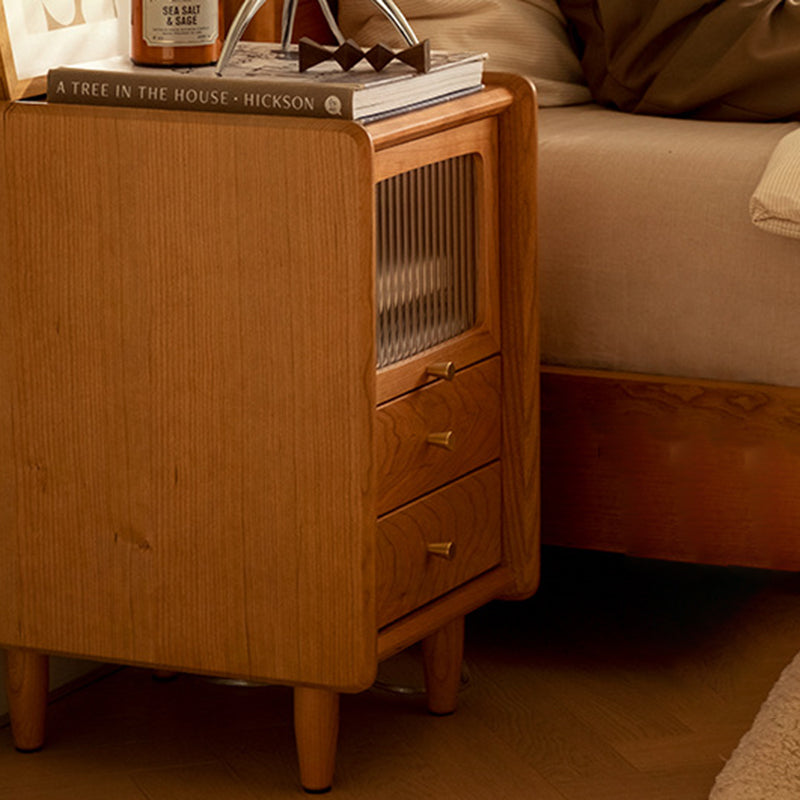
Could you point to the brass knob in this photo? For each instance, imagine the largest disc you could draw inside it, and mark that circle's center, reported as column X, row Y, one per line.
column 442, row 369
column 445, row 550
column 445, row 439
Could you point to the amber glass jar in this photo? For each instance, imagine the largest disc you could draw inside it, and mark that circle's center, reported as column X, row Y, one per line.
column 168, row 33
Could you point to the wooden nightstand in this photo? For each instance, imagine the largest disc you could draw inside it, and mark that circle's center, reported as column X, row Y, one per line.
column 195, row 443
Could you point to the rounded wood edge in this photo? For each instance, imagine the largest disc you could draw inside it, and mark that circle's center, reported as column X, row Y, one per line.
column 520, row 333
column 489, row 101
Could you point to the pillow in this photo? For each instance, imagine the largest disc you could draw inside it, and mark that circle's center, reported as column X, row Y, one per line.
column 775, row 204
column 524, row 36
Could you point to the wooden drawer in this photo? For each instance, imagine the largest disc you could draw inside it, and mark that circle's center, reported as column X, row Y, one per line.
column 466, row 514
column 467, row 408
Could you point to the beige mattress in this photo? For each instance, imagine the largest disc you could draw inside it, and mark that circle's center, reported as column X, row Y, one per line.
column 649, row 260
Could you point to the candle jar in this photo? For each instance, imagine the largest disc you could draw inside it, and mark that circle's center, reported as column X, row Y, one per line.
column 170, row 33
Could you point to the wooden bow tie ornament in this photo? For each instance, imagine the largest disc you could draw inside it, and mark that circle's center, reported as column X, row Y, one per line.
column 349, row 54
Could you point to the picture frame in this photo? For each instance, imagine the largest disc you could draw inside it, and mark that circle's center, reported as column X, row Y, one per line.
column 36, row 35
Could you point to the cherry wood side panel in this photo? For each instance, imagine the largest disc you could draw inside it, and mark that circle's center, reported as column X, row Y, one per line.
column 9, row 594
column 520, row 332
column 467, row 514
column 684, row 470
column 190, row 373
column 468, row 407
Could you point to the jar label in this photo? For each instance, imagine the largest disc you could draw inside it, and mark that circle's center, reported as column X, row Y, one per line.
column 170, row 24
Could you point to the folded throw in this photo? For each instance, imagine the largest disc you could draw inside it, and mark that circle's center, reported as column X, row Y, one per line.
column 775, row 204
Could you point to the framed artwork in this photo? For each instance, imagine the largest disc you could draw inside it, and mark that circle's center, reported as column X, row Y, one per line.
column 36, row 35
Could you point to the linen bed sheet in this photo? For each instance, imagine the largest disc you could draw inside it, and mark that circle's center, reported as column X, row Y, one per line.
column 649, row 261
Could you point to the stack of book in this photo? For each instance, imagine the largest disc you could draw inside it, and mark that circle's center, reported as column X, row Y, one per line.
column 262, row 79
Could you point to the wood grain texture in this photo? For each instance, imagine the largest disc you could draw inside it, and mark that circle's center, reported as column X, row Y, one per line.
column 187, row 496
column 478, row 137
column 468, row 406
column 9, row 587
column 520, row 331
column 467, row 513
column 442, row 656
column 494, row 99
column 316, row 729
column 189, row 378
column 668, row 468
column 27, row 681
column 194, row 782
column 424, row 621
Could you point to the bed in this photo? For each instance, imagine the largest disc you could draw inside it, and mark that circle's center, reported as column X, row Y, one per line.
column 671, row 341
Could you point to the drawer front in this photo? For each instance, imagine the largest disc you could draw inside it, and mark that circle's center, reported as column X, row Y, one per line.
column 437, row 433
column 466, row 515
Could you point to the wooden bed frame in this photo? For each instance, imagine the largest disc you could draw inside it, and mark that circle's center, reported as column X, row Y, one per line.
column 669, row 468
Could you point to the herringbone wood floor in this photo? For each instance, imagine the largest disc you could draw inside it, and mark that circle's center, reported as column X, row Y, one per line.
column 619, row 680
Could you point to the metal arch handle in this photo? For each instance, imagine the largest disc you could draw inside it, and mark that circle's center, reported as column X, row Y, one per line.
column 398, row 20
column 249, row 8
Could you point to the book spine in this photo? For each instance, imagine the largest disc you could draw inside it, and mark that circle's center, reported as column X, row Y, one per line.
column 187, row 92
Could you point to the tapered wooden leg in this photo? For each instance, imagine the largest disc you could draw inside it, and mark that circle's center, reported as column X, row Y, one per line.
column 27, row 683
column 442, row 654
column 316, row 729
